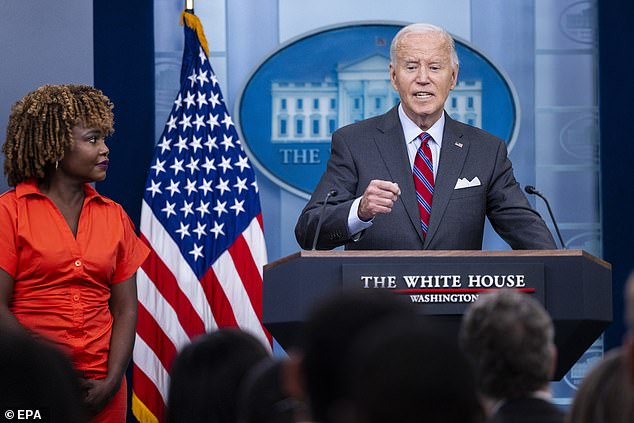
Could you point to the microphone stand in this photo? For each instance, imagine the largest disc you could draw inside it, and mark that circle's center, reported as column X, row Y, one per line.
column 531, row 190
column 331, row 193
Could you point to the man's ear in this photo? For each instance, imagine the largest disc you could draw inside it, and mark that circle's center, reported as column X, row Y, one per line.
column 454, row 75
column 393, row 77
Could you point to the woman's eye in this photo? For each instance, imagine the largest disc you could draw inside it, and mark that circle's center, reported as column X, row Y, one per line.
column 92, row 139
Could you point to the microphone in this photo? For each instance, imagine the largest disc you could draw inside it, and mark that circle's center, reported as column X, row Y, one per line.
column 531, row 190
column 331, row 193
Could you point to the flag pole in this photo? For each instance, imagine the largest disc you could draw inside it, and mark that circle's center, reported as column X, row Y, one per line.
column 189, row 6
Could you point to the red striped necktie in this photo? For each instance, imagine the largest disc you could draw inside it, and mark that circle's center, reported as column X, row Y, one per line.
column 424, row 180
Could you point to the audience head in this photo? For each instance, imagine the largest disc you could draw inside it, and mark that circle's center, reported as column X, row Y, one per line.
column 40, row 128
column 206, row 376
column 605, row 394
column 509, row 337
column 35, row 375
column 403, row 371
column 264, row 397
column 329, row 331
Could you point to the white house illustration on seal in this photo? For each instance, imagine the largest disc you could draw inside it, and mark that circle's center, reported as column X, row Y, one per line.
column 311, row 111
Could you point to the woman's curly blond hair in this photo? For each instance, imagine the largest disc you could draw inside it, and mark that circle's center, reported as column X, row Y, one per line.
column 41, row 123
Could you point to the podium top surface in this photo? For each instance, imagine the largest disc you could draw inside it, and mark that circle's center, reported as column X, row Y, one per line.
column 436, row 253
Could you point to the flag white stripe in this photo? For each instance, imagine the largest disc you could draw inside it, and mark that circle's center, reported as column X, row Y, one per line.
column 148, row 363
column 162, row 311
column 255, row 240
column 169, row 253
column 229, row 279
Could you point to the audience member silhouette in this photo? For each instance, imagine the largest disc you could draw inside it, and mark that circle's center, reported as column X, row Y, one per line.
column 605, row 394
column 206, row 376
column 265, row 398
column 330, row 329
column 509, row 337
column 400, row 371
column 36, row 376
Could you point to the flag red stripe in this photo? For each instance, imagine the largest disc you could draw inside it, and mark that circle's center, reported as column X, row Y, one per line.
column 220, row 305
column 146, row 391
column 150, row 331
column 167, row 285
column 248, row 271
column 259, row 217
column 250, row 276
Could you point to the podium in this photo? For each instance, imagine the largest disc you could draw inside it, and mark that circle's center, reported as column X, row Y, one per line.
column 574, row 287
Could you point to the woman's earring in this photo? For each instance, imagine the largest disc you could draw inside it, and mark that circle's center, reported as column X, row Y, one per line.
column 56, row 164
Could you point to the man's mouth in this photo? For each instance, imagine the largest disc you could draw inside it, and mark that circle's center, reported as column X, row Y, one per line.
column 423, row 95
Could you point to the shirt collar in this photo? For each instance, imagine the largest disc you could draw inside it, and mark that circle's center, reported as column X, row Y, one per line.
column 91, row 193
column 411, row 131
column 29, row 187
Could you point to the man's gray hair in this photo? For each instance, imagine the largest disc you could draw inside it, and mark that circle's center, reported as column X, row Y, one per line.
column 509, row 337
column 423, row 28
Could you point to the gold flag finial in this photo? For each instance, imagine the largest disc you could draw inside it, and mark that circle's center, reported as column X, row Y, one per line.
column 188, row 18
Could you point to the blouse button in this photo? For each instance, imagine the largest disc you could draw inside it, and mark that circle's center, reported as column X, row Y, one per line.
column 77, row 263
column 76, row 297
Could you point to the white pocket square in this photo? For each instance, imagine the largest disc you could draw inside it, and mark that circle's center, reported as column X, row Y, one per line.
column 465, row 183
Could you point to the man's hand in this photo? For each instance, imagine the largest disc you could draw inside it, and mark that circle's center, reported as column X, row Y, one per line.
column 378, row 198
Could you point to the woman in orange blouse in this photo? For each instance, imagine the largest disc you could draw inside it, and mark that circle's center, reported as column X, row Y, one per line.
column 69, row 255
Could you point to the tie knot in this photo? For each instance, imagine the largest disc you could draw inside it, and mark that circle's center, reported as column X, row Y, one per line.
column 424, row 137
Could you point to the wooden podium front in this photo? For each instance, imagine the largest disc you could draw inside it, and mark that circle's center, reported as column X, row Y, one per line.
column 574, row 286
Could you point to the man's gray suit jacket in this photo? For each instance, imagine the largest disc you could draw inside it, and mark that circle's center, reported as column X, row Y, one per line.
column 375, row 149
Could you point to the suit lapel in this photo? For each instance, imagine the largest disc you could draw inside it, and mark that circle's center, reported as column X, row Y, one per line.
column 452, row 157
column 391, row 144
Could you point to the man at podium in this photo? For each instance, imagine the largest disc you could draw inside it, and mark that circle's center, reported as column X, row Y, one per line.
column 414, row 178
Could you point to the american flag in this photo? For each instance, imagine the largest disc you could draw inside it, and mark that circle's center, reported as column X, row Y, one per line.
column 201, row 217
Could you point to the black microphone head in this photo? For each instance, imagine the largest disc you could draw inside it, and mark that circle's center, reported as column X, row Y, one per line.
column 332, row 193
column 530, row 189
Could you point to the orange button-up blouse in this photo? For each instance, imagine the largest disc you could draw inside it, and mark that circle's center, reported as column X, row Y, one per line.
column 62, row 283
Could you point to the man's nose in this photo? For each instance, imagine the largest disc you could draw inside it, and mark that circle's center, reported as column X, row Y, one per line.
column 422, row 76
